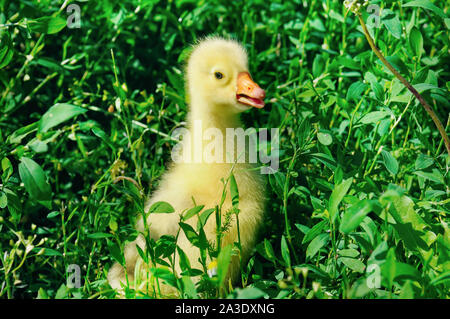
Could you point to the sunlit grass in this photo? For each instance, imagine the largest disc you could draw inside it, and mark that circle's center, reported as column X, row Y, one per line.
column 359, row 206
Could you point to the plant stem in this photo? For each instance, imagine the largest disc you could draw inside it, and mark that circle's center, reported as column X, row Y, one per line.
column 285, row 199
column 351, row 121
column 422, row 101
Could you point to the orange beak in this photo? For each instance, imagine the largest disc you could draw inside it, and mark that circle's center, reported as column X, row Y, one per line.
column 248, row 92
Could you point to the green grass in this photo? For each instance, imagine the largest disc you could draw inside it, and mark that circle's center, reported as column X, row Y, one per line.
column 358, row 209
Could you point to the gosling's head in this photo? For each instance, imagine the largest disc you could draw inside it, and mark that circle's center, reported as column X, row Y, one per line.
column 218, row 78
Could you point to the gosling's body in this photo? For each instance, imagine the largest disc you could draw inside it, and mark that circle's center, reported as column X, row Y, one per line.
column 213, row 103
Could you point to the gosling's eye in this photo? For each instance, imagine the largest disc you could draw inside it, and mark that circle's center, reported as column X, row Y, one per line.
column 218, row 75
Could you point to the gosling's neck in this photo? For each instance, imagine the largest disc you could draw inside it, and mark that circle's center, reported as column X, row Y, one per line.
column 212, row 117
column 208, row 130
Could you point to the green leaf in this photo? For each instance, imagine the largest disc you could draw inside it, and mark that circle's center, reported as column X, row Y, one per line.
column 422, row 87
column 42, row 294
column 165, row 246
column 34, row 179
column 48, row 25
column 48, row 63
column 435, row 176
column 277, row 181
column 410, row 237
column 314, row 231
column 423, row 161
column 391, row 22
column 192, row 212
column 407, row 291
column 337, row 195
column 51, row 252
column 390, row 162
column 325, row 138
column 249, row 293
column 102, row 135
column 234, row 192
column 141, row 253
column 161, row 208
column 376, row 87
column 355, row 214
column 411, row 227
column 203, row 217
column 326, row 159
column 203, row 241
column 352, row 263
column 348, row 63
column 374, row 117
column 318, row 65
column 165, row 274
column 405, row 209
column 285, row 252
column 426, row 4
column 338, row 175
column 184, row 55
column 38, row 146
column 58, row 114
column 6, row 50
column 269, row 250
column 335, row 15
column 185, row 265
column 223, row 262
column 355, row 91
column 378, row 255
column 3, row 200
column 315, row 245
column 7, row 169
column 116, row 253
column 62, row 292
column 416, row 41
column 99, row 235
column 388, row 268
column 444, row 277
column 112, row 224
column 352, row 253
column 189, row 287
column 14, row 205
column 316, row 270
column 369, row 225
column 405, row 271
column 303, row 132
column 393, row 270
column 304, row 229
column 192, row 236
column 6, row 55
column 17, row 136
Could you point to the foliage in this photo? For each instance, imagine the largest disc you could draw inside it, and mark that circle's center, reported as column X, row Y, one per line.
column 360, row 203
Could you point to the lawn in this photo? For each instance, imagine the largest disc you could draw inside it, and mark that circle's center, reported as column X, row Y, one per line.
column 90, row 92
